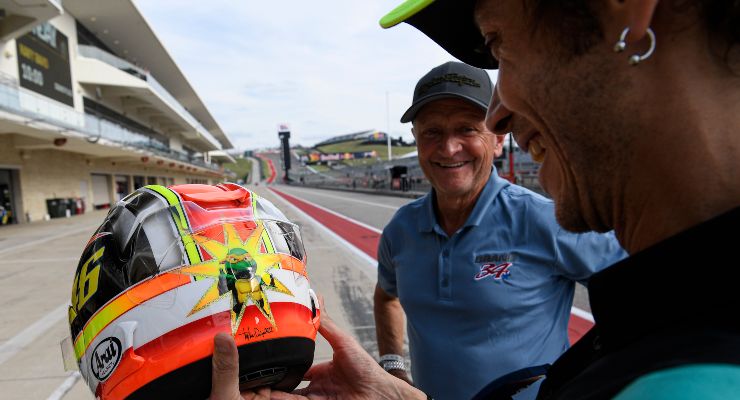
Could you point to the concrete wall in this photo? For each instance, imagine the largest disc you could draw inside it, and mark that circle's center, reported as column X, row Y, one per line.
column 50, row 173
column 47, row 173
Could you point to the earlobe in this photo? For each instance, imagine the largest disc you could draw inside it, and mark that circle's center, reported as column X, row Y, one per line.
column 639, row 15
column 634, row 15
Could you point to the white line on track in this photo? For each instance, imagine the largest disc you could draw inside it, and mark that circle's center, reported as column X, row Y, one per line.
column 315, row 192
column 374, row 263
column 582, row 313
column 64, row 233
column 40, row 260
column 346, row 218
column 65, row 387
column 370, row 261
column 33, row 331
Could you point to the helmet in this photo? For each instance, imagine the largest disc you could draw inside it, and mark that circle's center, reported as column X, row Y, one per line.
column 172, row 266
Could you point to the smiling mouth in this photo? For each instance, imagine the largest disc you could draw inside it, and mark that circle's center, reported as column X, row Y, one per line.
column 532, row 143
column 536, row 150
column 451, row 165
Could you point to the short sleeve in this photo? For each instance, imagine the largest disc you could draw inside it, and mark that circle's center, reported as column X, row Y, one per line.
column 386, row 268
column 580, row 255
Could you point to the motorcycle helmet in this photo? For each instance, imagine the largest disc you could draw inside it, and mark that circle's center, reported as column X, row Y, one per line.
column 172, row 266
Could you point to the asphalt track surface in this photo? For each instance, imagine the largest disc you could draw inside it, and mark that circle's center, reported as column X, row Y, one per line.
column 38, row 261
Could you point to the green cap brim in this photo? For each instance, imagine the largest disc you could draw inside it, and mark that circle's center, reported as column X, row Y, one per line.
column 403, row 12
column 450, row 23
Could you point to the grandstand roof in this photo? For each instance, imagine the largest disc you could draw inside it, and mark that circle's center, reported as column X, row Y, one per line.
column 120, row 25
column 348, row 137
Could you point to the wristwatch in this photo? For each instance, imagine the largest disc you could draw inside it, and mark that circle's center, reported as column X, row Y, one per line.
column 392, row 361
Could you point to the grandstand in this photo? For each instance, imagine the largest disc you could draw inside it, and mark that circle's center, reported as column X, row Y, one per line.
column 92, row 107
column 370, row 136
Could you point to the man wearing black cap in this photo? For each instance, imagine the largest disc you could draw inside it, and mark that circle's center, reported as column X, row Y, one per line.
column 477, row 259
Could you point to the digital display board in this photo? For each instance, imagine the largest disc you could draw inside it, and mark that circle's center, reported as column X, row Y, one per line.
column 43, row 63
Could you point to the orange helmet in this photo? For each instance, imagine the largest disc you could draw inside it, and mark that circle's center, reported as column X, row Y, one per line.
column 171, row 267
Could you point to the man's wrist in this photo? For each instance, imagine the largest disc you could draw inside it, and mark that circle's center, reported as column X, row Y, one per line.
column 391, row 362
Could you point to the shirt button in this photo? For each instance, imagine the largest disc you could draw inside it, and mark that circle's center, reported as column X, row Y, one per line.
column 444, row 281
column 445, row 253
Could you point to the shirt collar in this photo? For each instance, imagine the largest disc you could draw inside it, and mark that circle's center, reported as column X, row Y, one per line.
column 428, row 219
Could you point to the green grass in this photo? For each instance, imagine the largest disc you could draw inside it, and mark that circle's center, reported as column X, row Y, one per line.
column 265, row 168
column 320, row 168
column 360, row 162
column 242, row 167
column 355, row 146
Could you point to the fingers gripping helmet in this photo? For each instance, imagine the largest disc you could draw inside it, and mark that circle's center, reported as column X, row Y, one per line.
column 171, row 267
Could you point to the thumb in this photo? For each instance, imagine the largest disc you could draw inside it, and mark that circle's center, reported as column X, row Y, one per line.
column 332, row 333
column 225, row 365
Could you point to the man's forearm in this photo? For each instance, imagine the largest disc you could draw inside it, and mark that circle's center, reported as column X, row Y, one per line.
column 389, row 322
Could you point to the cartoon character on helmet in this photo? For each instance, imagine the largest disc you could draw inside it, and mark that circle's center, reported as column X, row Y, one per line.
column 171, row 267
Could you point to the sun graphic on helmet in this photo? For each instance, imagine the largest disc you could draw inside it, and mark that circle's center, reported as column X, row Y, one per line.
column 240, row 270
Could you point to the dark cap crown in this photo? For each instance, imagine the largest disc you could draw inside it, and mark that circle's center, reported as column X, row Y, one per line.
column 451, row 79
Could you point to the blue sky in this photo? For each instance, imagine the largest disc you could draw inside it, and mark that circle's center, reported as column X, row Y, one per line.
column 324, row 67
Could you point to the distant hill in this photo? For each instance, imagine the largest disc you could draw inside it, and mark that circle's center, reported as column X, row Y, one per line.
column 242, row 167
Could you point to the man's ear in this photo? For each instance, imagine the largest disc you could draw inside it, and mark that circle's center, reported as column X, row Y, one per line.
column 413, row 132
column 637, row 15
column 498, row 145
column 640, row 16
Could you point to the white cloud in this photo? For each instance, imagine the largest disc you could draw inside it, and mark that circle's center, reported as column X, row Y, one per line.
column 324, row 67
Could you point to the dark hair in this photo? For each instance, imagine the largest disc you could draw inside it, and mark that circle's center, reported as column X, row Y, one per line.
column 572, row 22
column 576, row 22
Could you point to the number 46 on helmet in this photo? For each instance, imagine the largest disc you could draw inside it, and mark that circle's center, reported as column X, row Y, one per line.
column 172, row 266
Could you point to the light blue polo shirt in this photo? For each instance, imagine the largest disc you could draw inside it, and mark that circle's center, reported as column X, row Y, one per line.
column 493, row 298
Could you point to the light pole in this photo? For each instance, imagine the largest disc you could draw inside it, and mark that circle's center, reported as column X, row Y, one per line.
column 511, row 158
column 388, row 125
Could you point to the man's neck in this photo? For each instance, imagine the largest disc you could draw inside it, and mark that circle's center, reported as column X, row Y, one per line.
column 453, row 211
column 692, row 159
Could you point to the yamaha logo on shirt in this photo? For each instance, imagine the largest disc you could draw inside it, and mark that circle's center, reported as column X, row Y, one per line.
column 496, row 266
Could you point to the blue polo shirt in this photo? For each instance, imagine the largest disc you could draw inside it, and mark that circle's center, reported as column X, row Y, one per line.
column 492, row 298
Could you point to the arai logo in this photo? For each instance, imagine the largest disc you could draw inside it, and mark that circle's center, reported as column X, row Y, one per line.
column 105, row 357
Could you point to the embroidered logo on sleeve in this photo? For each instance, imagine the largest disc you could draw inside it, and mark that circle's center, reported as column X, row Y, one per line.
column 496, row 271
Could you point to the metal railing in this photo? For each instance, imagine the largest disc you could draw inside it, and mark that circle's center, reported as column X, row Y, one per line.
column 38, row 108
column 375, row 176
column 172, row 102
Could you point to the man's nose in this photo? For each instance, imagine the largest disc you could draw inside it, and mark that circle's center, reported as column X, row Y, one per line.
column 498, row 117
column 450, row 144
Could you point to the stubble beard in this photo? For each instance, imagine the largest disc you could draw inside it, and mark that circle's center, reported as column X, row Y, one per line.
column 582, row 107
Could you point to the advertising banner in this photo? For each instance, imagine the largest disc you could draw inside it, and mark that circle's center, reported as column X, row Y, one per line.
column 314, row 158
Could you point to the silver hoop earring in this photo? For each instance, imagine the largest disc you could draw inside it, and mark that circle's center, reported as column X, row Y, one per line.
column 635, row 58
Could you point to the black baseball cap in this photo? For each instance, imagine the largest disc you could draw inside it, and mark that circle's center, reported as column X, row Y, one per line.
column 449, row 23
column 451, row 79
